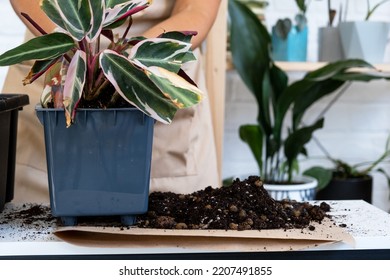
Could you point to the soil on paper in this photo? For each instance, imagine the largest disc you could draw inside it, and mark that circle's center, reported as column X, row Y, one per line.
column 244, row 205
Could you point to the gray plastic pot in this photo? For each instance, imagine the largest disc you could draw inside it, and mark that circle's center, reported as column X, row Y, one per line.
column 100, row 165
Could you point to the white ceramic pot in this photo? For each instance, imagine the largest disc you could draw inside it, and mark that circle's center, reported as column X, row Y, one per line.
column 304, row 191
column 364, row 39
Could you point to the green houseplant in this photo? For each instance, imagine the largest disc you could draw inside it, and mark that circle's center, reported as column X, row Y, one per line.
column 279, row 137
column 107, row 94
column 348, row 181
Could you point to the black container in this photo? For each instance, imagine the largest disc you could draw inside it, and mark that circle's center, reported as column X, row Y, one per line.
column 346, row 189
column 10, row 104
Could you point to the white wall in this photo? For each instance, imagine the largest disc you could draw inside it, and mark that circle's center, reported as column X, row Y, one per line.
column 355, row 128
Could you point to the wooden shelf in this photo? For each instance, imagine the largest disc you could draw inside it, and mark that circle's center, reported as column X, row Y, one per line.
column 310, row 66
column 305, row 66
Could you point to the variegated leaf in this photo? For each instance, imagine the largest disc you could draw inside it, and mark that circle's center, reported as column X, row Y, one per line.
column 182, row 93
column 134, row 86
column 97, row 17
column 184, row 36
column 117, row 10
column 50, row 8
column 38, row 69
column 53, row 85
column 76, row 15
column 74, row 84
column 166, row 53
column 45, row 47
column 112, row 3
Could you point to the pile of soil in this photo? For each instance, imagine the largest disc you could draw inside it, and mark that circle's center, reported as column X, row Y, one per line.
column 244, row 205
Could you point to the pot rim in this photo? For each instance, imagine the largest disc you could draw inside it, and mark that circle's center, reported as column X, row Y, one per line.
column 308, row 183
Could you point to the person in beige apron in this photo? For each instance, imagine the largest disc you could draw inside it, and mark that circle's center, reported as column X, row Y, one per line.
column 184, row 156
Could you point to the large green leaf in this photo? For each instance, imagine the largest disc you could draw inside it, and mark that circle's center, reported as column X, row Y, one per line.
column 295, row 142
column 45, row 47
column 305, row 93
column 253, row 136
column 166, row 53
column 134, row 85
column 362, row 76
column 323, row 176
column 331, row 69
column 253, row 60
column 74, row 85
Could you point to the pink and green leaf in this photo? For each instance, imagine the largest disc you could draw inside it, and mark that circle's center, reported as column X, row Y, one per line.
column 97, row 17
column 118, row 10
column 53, row 85
column 182, row 93
column 74, row 85
column 45, row 47
column 135, row 87
column 50, row 8
column 38, row 69
column 75, row 14
column 166, row 53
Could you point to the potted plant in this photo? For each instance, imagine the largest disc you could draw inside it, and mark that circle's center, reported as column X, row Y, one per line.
column 348, row 181
column 329, row 41
column 289, row 42
column 280, row 136
column 10, row 104
column 99, row 153
column 365, row 39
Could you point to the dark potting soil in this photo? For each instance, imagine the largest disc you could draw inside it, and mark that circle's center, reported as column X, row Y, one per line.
column 243, row 205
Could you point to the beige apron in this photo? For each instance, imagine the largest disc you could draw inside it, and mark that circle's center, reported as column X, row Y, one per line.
column 183, row 158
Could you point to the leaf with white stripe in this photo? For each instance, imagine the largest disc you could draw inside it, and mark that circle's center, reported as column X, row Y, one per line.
column 97, row 17
column 47, row 46
column 182, row 93
column 135, row 87
column 76, row 15
column 117, row 10
column 74, row 84
column 166, row 53
column 50, row 8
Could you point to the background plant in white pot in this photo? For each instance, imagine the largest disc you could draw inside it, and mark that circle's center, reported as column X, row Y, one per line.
column 142, row 76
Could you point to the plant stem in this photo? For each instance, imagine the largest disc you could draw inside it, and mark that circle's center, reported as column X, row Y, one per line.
column 371, row 11
column 333, row 101
column 128, row 28
column 33, row 23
